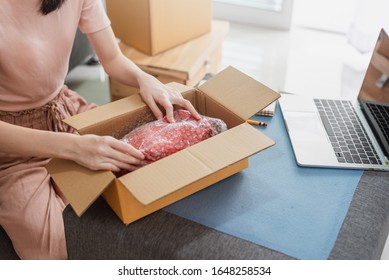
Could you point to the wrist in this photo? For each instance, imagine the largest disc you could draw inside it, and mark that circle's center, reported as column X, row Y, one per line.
column 69, row 149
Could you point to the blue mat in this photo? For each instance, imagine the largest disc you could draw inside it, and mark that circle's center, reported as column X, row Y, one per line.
column 274, row 203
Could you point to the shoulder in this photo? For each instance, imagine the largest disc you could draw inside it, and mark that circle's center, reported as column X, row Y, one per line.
column 91, row 3
column 93, row 16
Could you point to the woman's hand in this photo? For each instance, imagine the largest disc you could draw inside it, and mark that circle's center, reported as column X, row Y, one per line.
column 106, row 153
column 154, row 92
column 125, row 71
column 92, row 151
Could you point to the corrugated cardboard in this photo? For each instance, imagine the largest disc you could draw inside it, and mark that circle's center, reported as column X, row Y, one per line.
column 153, row 26
column 230, row 95
column 186, row 64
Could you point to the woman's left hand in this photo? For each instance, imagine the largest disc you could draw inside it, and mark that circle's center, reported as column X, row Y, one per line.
column 154, row 92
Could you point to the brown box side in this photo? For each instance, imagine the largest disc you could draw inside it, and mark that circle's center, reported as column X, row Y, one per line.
column 129, row 209
column 153, row 26
column 131, row 22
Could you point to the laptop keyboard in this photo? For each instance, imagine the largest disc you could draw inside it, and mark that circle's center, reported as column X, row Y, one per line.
column 346, row 133
column 381, row 115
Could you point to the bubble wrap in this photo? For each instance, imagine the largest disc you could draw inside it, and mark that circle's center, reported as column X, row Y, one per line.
column 160, row 138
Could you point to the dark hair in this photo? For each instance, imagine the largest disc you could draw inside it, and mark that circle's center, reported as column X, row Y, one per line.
column 47, row 6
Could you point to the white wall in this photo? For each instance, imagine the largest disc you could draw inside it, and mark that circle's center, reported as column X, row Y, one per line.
column 370, row 16
column 360, row 20
column 329, row 15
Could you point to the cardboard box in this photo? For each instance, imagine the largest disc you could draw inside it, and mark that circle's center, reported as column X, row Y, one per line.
column 153, row 26
column 230, row 95
column 186, row 64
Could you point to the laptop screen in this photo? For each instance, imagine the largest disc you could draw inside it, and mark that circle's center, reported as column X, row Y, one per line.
column 375, row 86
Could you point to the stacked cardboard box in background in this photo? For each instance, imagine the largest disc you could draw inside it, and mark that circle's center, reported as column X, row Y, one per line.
column 175, row 40
column 153, row 26
column 186, row 64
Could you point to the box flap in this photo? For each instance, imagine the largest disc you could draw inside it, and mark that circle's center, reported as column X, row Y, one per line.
column 238, row 92
column 80, row 185
column 105, row 112
column 172, row 173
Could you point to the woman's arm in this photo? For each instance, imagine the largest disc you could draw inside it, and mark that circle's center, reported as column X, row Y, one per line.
column 125, row 71
column 92, row 151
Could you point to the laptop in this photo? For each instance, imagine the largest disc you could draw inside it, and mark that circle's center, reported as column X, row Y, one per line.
column 335, row 133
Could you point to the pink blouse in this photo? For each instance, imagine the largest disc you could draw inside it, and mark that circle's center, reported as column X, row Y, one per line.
column 35, row 49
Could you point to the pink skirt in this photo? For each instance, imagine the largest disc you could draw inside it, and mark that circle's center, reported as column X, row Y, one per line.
column 30, row 207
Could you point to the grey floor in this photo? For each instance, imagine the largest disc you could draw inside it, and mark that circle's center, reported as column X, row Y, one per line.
column 302, row 61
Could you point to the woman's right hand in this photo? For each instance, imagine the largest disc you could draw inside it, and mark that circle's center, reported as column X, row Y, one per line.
column 106, row 153
column 92, row 151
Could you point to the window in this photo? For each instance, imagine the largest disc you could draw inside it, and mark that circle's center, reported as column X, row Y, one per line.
column 268, row 13
column 271, row 5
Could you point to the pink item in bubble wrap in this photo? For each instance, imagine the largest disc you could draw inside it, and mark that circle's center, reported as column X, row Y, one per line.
column 160, row 138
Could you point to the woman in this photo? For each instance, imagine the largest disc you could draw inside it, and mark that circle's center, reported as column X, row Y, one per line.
column 36, row 37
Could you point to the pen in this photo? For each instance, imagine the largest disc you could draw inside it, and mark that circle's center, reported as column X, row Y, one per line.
column 257, row 123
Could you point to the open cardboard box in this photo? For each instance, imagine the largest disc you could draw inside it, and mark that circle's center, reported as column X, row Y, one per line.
column 230, row 95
